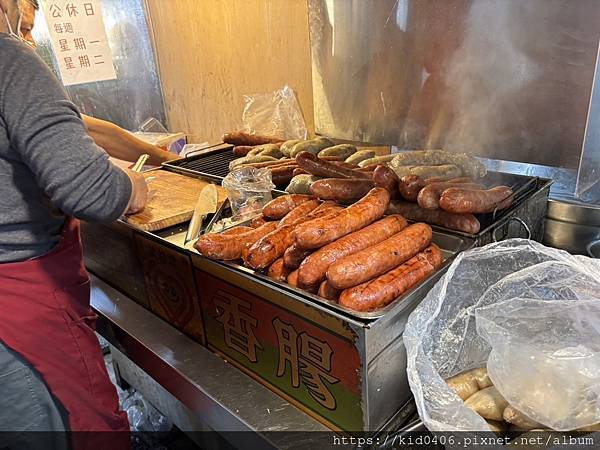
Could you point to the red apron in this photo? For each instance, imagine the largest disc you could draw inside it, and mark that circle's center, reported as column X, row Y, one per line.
column 45, row 316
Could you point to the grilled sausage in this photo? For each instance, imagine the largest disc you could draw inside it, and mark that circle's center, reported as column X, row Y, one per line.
column 299, row 171
column 292, row 278
column 326, row 169
column 467, row 223
column 313, row 146
column 243, row 138
column 287, row 146
column 280, row 206
column 270, row 164
column 342, row 190
column 378, row 160
column 378, row 259
column 342, row 151
column 242, row 150
column 429, row 196
column 360, row 156
column 273, row 245
column 314, row 267
column 270, row 247
column 293, row 257
column 386, row 178
column 237, row 230
column 383, row 290
column 327, row 292
column 469, row 165
column 281, row 176
column 258, row 221
column 246, row 160
column 460, row 201
column 278, row 271
column 270, row 150
column 446, row 171
column 228, row 247
column 299, row 213
column 300, row 184
column 319, row 232
column 410, row 186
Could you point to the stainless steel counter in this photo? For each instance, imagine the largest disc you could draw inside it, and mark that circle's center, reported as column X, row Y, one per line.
column 224, row 398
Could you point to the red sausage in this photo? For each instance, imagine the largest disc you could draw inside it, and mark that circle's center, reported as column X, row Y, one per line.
column 243, row 138
column 386, row 178
column 299, row 213
column 322, row 231
column 326, row 169
column 378, row 259
column 467, row 223
column 328, row 292
column 293, row 257
column 383, row 290
column 242, row 150
column 343, row 190
column 280, row 206
column 461, row 201
column 278, row 271
column 429, row 196
column 313, row 269
column 228, row 247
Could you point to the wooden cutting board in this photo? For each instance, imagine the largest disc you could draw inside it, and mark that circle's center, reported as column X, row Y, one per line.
column 172, row 202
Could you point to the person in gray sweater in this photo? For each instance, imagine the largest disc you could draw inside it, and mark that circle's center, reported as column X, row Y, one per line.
column 51, row 174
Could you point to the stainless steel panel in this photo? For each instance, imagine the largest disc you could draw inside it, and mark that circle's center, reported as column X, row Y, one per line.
column 504, row 79
column 136, row 93
column 223, row 397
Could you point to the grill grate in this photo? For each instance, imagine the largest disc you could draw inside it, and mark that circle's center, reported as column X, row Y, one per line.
column 215, row 163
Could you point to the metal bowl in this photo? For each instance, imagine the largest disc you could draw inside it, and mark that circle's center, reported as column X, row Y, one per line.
column 593, row 249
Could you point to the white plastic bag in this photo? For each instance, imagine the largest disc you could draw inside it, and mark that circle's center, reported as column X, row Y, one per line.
column 441, row 338
column 545, row 357
column 275, row 114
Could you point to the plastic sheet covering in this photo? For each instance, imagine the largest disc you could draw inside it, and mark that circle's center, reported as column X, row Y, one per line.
column 274, row 114
column 248, row 190
column 442, row 339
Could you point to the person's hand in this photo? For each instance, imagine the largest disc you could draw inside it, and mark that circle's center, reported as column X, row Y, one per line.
column 139, row 192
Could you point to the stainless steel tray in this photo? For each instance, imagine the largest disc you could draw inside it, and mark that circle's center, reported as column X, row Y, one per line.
column 450, row 244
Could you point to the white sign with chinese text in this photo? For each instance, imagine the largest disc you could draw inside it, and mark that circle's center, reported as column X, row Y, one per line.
column 79, row 40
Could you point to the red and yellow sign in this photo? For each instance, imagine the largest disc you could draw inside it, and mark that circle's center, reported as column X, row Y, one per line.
column 300, row 359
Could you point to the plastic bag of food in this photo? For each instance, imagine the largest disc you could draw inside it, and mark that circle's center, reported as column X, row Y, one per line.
column 441, row 336
column 248, row 190
column 275, row 114
column 545, row 356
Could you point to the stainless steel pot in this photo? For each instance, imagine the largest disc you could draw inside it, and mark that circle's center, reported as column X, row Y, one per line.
column 573, row 226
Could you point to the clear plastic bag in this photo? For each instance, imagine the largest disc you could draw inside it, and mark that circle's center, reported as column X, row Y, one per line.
column 274, row 114
column 441, row 337
column 248, row 190
column 545, row 357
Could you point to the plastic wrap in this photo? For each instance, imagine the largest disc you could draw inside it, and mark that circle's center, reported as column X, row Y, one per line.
column 248, row 190
column 441, row 337
column 545, row 357
column 275, row 114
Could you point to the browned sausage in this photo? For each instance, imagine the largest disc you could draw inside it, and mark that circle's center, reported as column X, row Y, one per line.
column 292, row 278
column 282, row 176
column 344, row 164
column 378, row 259
column 322, row 231
column 280, row 206
column 328, row 292
column 327, row 169
column 343, row 190
column 278, row 271
column 243, row 138
column 273, row 245
column 460, row 201
column 325, row 205
column 258, row 221
column 268, row 248
column 299, row 171
column 299, row 213
column 410, row 185
column 467, row 223
column 429, row 196
column 227, row 247
column 242, row 150
column 313, row 269
column 386, row 178
column 383, row 290
column 237, row 230
column 293, row 257
column 270, row 164
column 332, row 158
